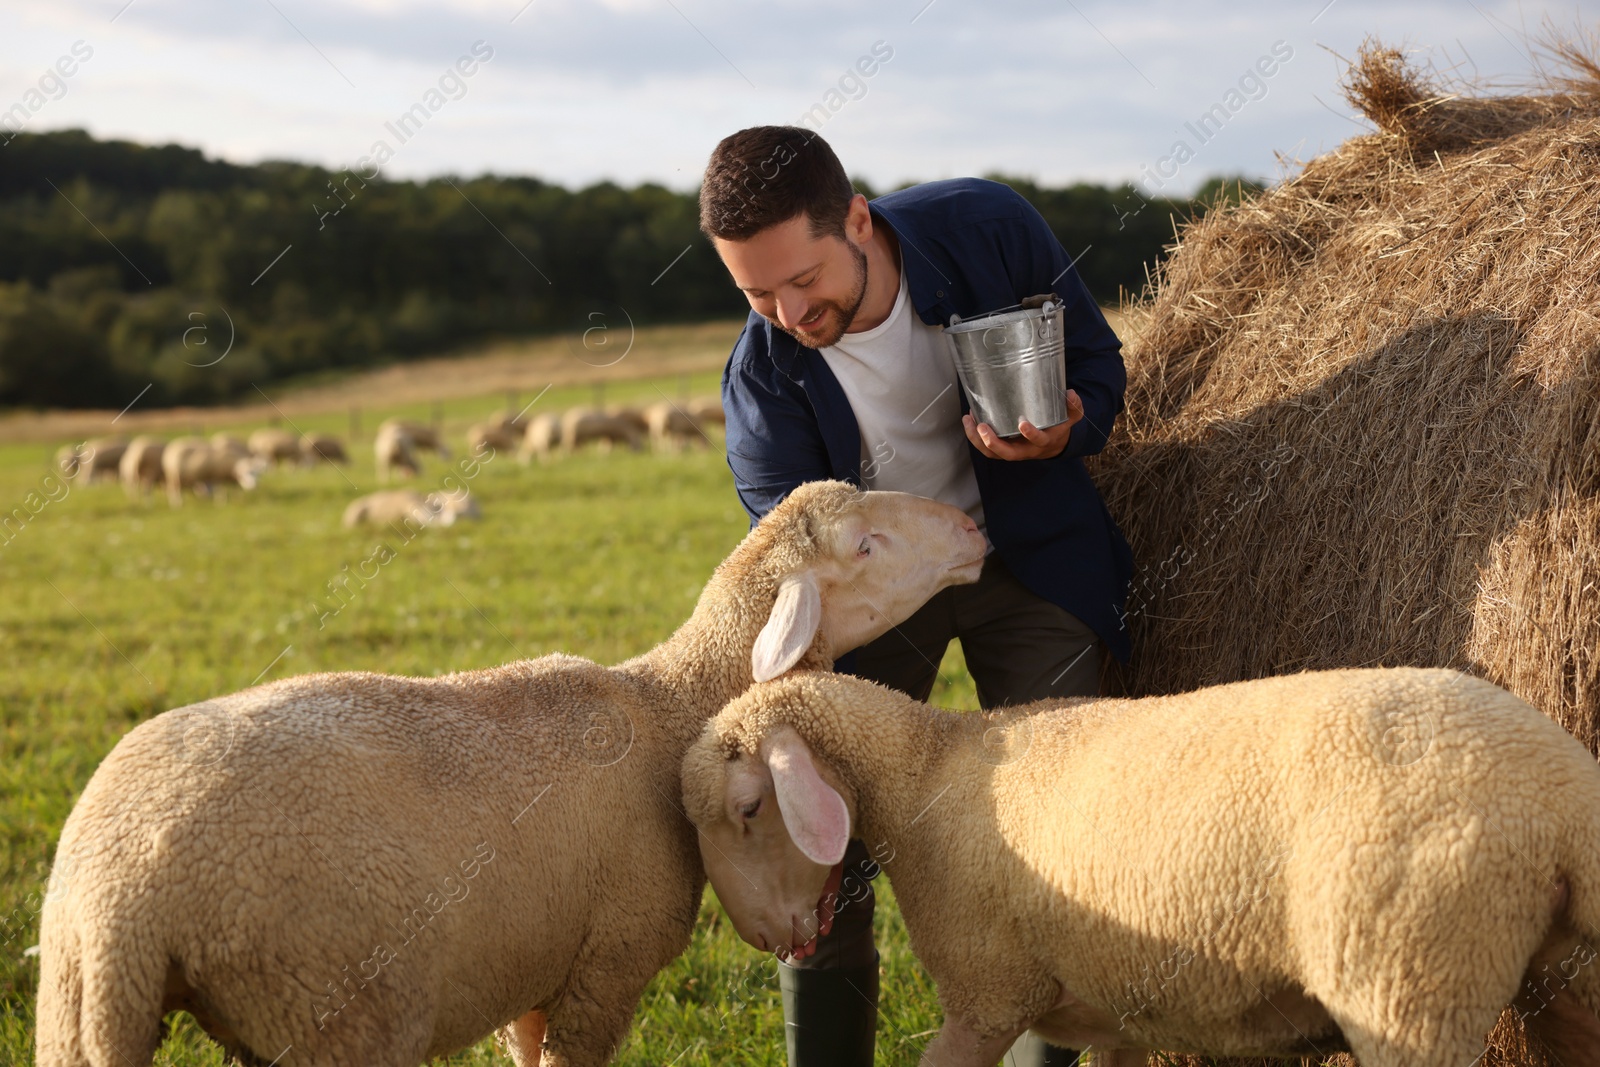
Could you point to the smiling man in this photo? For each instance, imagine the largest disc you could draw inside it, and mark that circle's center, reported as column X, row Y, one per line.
column 842, row 372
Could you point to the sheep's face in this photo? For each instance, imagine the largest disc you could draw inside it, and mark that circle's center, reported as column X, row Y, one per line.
column 773, row 825
column 874, row 563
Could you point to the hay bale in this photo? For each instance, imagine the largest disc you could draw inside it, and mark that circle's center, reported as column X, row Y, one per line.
column 1363, row 411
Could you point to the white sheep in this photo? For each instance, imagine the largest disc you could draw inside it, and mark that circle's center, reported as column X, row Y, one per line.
column 140, row 466
column 452, row 507
column 228, row 443
column 67, row 459
column 98, row 457
column 321, row 448
column 541, row 437
column 503, row 431
column 376, row 870
column 483, row 436
column 1376, row 861
column 582, row 426
column 506, row 419
column 397, row 444
column 633, row 417
column 393, row 450
column 275, row 445
column 391, row 506
column 421, row 434
column 409, row 507
column 200, row 465
column 672, row 427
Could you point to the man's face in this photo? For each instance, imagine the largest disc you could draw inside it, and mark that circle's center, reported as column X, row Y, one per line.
column 809, row 287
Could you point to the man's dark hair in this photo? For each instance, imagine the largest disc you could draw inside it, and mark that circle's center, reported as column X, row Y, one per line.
column 765, row 175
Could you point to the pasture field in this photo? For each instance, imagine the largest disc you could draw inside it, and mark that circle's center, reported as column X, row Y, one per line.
column 115, row 610
column 609, row 364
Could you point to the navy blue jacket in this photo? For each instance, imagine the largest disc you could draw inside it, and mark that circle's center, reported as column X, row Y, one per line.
column 967, row 246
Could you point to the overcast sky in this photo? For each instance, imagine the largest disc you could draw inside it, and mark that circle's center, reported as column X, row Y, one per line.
column 635, row 90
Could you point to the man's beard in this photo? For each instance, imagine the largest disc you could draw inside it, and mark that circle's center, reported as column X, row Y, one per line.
column 836, row 317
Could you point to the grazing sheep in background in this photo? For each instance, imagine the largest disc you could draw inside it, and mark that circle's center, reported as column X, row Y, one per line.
column 582, row 426
column 482, row 436
column 452, row 507
column 391, row 506
column 228, row 443
column 394, row 450
column 275, row 445
column 503, row 431
column 140, row 467
column 409, row 506
column 201, row 465
column 422, row 435
column 67, row 459
column 321, row 448
column 671, row 426
column 101, row 457
column 504, row 846
column 539, row 439
column 398, row 443
column 515, row 421
column 1376, row 861
column 633, row 417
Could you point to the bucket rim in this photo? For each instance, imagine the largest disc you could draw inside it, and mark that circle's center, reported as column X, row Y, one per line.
column 1005, row 316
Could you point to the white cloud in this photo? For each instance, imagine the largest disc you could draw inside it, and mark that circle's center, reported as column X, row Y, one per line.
column 638, row 90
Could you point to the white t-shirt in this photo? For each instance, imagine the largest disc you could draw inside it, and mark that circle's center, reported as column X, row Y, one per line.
column 900, row 380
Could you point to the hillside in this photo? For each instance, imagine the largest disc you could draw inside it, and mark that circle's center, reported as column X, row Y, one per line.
column 129, row 266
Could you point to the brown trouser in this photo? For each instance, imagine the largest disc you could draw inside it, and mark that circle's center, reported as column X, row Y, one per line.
column 1018, row 646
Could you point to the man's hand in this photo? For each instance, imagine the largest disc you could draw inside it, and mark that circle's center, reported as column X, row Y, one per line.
column 1035, row 443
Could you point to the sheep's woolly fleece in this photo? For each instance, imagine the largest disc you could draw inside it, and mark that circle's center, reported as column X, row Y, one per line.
column 1392, row 842
column 369, row 868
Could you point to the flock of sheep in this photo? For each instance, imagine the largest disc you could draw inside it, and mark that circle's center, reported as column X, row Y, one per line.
column 193, row 463
column 360, row 868
column 209, row 465
column 666, row 425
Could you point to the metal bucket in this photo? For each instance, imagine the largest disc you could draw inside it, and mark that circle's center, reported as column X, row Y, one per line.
column 1011, row 363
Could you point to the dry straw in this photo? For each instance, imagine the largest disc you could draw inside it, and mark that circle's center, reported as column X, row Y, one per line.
column 1363, row 409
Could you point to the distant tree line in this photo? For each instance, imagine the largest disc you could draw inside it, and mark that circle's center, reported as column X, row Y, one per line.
column 124, row 265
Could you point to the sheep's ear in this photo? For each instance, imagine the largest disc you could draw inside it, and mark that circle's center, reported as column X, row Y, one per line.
column 790, row 629
column 813, row 812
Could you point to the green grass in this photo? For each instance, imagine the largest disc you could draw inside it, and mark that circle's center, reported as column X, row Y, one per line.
column 115, row 611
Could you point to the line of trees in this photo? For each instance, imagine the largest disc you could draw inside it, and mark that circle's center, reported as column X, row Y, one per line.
column 124, row 265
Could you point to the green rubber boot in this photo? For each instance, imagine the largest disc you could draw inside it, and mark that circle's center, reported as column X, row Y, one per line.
column 830, row 1016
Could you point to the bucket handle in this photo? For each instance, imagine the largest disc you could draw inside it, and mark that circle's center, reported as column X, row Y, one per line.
column 1049, row 303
